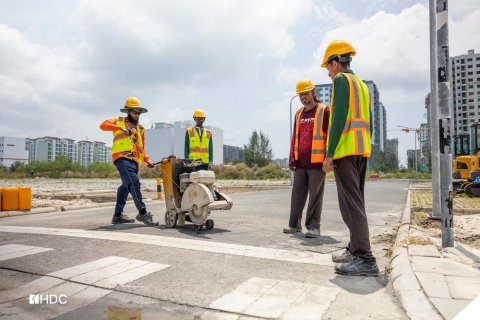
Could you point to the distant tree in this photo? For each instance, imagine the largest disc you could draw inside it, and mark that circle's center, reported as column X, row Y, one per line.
column 258, row 151
column 16, row 165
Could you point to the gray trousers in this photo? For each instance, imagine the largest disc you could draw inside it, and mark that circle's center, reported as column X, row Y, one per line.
column 350, row 179
column 309, row 183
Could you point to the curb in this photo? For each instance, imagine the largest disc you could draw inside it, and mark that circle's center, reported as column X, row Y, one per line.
column 5, row 214
column 405, row 283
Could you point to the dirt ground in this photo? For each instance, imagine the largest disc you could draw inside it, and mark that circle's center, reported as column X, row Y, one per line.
column 466, row 228
column 66, row 192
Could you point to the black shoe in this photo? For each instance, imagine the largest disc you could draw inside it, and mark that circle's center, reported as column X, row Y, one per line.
column 357, row 267
column 122, row 219
column 147, row 219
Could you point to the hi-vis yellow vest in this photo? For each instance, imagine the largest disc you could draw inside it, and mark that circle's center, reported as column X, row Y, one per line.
column 355, row 138
column 319, row 137
column 199, row 146
column 122, row 141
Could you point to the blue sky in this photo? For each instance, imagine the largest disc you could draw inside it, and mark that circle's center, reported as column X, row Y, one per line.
column 68, row 65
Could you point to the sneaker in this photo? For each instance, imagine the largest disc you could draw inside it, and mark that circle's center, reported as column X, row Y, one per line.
column 312, row 233
column 122, row 219
column 147, row 219
column 292, row 230
column 342, row 256
column 357, row 267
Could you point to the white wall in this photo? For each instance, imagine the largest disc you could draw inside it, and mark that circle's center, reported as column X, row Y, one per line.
column 159, row 143
column 12, row 150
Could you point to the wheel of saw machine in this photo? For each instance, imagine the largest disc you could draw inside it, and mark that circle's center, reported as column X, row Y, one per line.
column 171, row 218
column 198, row 227
column 209, row 224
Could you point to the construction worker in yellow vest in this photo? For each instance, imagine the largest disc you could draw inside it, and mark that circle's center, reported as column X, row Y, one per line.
column 198, row 142
column 128, row 151
column 307, row 152
column 348, row 150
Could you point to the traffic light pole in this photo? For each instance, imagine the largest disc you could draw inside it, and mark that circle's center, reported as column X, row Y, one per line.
column 445, row 123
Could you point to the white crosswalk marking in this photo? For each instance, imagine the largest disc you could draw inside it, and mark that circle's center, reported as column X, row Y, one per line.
column 277, row 299
column 74, row 283
column 11, row 251
column 295, row 256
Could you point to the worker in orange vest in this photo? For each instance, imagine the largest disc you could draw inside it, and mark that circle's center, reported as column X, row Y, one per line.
column 128, row 151
column 307, row 152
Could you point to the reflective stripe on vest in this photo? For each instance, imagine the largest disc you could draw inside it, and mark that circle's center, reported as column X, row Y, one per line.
column 122, row 141
column 199, row 146
column 318, row 138
column 355, row 138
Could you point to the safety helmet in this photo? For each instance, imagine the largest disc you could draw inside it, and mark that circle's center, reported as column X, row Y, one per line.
column 199, row 113
column 336, row 49
column 133, row 103
column 304, row 85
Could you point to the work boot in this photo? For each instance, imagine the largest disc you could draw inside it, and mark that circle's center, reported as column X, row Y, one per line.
column 147, row 219
column 122, row 219
column 312, row 233
column 291, row 230
column 357, row 267
column 342, row 256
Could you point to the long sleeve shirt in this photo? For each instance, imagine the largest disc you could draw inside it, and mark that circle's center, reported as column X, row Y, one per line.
column 110, row 125
column 187, row 145
column 341, row 93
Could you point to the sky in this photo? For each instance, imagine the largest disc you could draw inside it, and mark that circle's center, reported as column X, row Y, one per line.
column 68, row 65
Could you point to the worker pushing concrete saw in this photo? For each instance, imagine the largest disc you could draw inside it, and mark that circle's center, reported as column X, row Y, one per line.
column 190, row 195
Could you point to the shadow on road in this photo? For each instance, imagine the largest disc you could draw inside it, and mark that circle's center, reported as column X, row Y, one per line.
column 361, row 285
column 117, row 227
column 190, row 231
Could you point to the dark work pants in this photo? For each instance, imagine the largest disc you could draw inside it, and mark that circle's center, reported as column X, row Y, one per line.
column 128, row 170
column 309, row 183
column 350, row 179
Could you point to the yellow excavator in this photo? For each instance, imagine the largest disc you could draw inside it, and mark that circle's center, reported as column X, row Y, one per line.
column 466, row 164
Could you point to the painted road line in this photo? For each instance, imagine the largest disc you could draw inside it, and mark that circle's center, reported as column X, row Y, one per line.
column 75, row 284
column 295, row 256
column 278, row 299
column 11, row 251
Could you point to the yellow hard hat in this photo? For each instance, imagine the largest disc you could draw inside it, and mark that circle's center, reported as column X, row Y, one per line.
column 337, row 48
column 199, row 113
column 305, row 85
column 133, row 103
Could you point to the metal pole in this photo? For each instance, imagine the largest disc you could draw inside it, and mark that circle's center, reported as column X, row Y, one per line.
column 290, row 139
column 433, row 116
column 445, row 124
column 416, row 156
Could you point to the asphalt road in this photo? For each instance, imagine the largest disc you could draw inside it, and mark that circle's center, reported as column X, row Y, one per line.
column 245, row 268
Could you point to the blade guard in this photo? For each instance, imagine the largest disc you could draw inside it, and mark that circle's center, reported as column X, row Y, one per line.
column 196, row 194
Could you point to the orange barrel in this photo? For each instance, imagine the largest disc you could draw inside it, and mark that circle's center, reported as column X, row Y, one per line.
column 1, row 199
column 24, row 198
column 10, row 199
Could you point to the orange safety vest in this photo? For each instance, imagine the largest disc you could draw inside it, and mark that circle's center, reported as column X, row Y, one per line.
column 319, row 137
column 199, row 146
column 122, row 141
column 355, row 138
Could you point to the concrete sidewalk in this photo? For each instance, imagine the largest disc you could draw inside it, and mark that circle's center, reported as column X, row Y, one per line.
column 431, row 282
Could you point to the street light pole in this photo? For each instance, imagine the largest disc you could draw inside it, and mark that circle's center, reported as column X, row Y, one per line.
column 416, row 157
